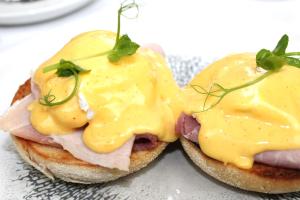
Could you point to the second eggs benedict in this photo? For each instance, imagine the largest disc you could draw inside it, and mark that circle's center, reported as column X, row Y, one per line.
column 242, row 123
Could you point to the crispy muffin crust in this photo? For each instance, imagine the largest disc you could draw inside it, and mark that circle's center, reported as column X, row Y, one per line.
column 55, row 162
column 261, row 178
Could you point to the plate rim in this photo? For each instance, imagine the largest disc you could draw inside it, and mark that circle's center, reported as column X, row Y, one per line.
column 25, row 13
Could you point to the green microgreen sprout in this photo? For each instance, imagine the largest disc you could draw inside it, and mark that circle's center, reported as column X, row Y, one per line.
column 64, row 69
column 271, row 61
column 123, row 46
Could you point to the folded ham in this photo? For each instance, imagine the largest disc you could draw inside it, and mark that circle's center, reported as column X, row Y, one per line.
column 144, row 142
column 287, row 158
column 73, row 143
column 17, row 121
column 189, row 128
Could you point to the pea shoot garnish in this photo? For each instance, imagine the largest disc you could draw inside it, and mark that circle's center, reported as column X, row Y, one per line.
column 63, row 69
column 271, row 61
column 123, row 46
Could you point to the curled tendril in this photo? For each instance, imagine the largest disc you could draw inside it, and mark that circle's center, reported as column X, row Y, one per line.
column 219, row 92
column 47, row 99
column 129, row 5
column 126, row 5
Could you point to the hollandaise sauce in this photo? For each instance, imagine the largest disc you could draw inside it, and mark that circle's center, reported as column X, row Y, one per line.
column 264, row 116
column 115, row 101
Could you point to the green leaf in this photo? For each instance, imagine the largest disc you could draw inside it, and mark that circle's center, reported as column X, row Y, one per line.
column 281, row 46
column 293, row 61
column 124, row 47
column 273, row 60
column 261, row 58
column 272, row 63
column 67, row 68
column 64, row 72
column 262, row 54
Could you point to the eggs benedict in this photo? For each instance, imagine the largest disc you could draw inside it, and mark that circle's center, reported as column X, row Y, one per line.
column 99, row 109
column 241, row 125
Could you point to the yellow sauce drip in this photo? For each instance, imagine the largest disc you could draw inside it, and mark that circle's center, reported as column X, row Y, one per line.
column 262, row 117
column 133, row 96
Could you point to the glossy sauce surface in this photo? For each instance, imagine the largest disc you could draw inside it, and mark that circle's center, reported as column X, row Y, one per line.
column 132, row 96
column 262, row 117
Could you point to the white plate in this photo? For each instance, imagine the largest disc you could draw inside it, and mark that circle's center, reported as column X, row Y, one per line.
column 171, row 177
column 31, row 12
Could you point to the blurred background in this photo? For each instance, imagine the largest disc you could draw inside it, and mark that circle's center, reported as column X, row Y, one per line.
column 206, row 28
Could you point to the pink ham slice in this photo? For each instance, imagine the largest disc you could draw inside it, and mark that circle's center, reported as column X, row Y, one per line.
column 189, row 128
column 17, row 115
column 287, row 158
column 29, row 133
column 17, row 121
column 73, row 143
column 155, row 47
column 145, row 142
